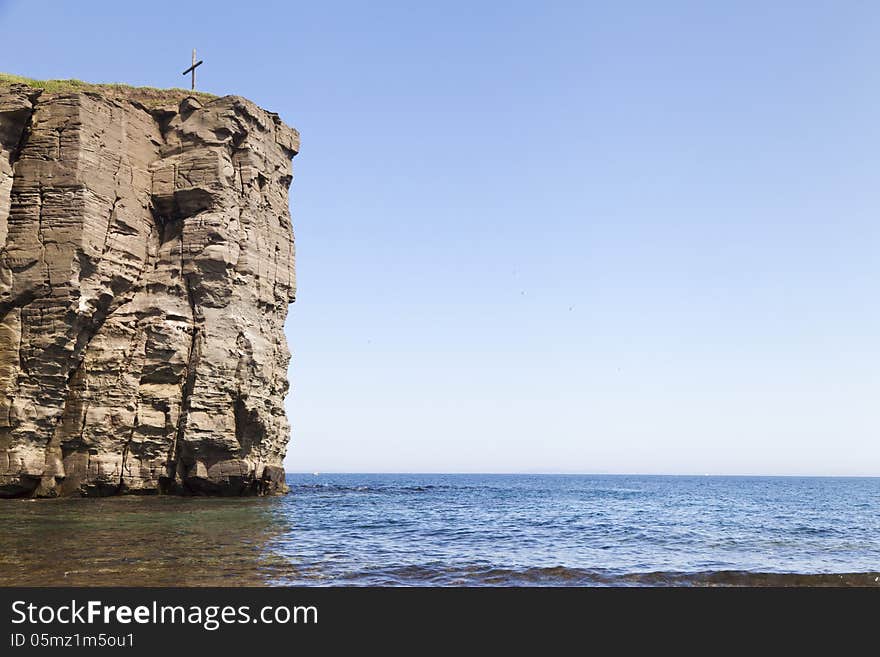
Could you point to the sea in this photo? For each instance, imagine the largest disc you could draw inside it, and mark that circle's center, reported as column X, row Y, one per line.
column 460, row 530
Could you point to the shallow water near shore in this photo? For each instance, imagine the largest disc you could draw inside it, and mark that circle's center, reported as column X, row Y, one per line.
column 464, row 530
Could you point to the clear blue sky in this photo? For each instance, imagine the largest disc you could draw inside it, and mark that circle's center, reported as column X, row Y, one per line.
column 543, row 237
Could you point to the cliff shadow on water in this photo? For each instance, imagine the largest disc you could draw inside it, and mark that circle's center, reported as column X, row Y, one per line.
column 141, row 541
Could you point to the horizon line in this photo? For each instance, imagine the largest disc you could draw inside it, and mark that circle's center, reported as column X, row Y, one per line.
column 592, row 474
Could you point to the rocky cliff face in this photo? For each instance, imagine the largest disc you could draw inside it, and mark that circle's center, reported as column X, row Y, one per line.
column 146, row 268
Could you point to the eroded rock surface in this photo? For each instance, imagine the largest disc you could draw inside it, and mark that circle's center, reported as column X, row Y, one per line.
column 145, row 274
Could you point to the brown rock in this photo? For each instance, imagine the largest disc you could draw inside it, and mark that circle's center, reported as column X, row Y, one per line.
column 145, row 274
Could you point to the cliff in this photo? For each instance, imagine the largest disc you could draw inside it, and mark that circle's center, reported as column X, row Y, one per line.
column 146, row 269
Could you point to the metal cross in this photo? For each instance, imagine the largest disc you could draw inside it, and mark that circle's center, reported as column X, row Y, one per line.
column 192, row 69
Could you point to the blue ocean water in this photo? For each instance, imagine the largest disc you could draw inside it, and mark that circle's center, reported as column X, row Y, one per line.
column 561, row 529
column 474, row 530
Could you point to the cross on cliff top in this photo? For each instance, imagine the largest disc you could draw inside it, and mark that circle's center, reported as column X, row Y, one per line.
column 192, row 69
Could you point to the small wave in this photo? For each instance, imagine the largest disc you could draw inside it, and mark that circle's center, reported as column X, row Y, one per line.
column 415, row 575
column 379, row 488
column 376, row 488
column 808, row 530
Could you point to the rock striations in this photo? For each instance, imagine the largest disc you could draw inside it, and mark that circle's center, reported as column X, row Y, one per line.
column 146, row 269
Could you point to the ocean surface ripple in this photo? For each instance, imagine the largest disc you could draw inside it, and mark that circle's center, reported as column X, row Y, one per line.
column 461, row 530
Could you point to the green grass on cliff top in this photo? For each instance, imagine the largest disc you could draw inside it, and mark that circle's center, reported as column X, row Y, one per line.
column 146, row 95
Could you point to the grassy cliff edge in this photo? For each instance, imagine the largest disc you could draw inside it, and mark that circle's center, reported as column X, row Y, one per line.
column 146, row 95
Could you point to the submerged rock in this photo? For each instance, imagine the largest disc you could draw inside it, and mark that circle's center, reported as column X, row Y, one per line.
column 146, row 269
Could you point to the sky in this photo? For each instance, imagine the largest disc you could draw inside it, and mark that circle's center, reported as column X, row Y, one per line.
column 597, row 237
